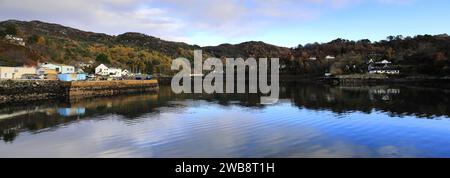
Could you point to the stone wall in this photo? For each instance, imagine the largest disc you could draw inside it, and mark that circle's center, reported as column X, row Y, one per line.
column 109, row 88
column 32, row 90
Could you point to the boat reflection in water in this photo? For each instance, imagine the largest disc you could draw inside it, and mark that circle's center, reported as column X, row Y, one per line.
column 310, row 120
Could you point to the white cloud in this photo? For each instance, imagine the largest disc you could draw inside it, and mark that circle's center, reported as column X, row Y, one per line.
column 114, row 17
column 396, row 2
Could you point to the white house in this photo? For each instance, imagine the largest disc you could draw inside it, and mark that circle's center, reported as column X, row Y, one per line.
column 102, row 70
column 330, row 57
column 16, row 40
column 15, row 72
column 59, row 68
column 115, row 72
column 382, row 67
column 125, row 72
column 384, row 62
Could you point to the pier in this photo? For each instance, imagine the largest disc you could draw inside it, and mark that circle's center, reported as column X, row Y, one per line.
column 33, row 90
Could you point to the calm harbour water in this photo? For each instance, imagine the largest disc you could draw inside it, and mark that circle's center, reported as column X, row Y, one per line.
column 309, row 121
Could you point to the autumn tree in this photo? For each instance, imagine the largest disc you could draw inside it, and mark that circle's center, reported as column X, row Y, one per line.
column 102, row 58
column 36, row 39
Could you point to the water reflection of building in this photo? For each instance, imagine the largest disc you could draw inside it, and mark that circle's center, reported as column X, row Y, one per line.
column 67, row 112
column 385, row 93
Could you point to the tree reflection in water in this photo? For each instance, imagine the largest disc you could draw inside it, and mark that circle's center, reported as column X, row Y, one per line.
column 422, row 103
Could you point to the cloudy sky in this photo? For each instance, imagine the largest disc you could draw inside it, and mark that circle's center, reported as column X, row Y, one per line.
column 212, row 22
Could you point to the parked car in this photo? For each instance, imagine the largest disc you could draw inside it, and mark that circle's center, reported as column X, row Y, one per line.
column 91, row 77
column 138, row 77
column 30, row 77
column 149, row 77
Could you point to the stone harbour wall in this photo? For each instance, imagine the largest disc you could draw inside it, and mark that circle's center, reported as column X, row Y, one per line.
column 108, row 88
column 32, row 90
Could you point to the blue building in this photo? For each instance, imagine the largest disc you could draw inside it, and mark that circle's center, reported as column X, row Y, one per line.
column 72, row 77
